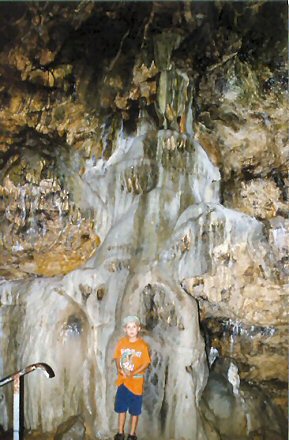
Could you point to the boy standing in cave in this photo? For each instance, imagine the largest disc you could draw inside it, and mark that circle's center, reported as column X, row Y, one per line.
column 132, row 359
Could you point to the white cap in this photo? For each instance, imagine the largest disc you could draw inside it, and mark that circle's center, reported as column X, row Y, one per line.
column 130, row 318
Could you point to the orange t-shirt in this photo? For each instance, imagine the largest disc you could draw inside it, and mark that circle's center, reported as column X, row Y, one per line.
column 131, row 356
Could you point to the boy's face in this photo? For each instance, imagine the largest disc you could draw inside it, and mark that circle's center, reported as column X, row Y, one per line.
column 132, row 329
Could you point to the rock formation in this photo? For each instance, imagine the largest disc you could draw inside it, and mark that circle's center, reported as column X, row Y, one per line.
column 144, row 169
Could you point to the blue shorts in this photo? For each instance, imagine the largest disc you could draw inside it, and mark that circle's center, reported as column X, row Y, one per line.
column 126, row 400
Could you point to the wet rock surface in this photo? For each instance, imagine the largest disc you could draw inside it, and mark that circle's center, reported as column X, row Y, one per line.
column 144, row 170
column 239, row 412
column 72, row 429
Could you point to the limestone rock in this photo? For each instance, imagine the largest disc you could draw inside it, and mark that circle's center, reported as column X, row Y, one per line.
column 72, row 429
column 144, row 169
column 260, row 198
column 236, row 416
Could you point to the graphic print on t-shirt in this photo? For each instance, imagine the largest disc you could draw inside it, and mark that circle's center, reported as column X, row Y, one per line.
column 126, row 360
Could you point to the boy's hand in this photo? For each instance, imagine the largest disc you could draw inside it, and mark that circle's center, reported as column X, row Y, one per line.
column 120, row 370
column 125, row 373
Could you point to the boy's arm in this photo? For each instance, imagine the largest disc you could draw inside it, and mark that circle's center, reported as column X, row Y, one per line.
column 140, row 369
column 116, row 357
column 118, row 367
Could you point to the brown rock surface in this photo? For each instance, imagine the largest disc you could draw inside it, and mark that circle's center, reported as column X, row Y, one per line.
column 144, row 168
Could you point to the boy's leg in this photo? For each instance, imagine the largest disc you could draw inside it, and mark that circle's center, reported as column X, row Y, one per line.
column 134, row 422
column 135, row 406
column 121, row 422
column 121, row 406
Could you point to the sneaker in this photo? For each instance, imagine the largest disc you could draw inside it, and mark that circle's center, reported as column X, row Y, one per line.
column 119, row 436
column 131, row 437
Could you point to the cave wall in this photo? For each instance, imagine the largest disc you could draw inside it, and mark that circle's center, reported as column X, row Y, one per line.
column 144, row 169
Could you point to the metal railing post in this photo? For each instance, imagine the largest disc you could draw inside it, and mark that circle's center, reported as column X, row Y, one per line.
column 16, row 408
column 16, row 379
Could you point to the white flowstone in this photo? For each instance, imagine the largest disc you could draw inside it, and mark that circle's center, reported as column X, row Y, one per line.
column 151, row 241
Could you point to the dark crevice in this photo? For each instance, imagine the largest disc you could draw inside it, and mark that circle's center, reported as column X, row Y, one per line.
column 164, row 405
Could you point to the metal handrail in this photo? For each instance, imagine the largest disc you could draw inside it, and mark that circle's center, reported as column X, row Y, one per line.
column 15, row 378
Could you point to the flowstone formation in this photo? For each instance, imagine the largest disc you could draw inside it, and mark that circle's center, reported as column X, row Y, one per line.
column 144, row 170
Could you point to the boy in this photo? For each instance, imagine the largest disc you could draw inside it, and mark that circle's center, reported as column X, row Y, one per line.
column 132, row 359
